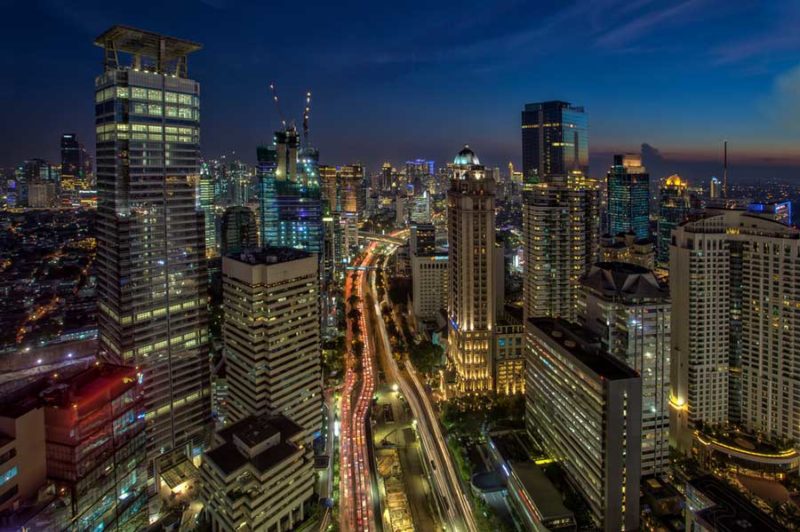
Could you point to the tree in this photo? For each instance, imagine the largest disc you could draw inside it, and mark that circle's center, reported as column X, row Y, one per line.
column 426, row 356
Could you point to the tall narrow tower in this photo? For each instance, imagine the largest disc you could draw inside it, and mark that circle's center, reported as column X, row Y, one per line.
column 472, row 258
column 151, row 266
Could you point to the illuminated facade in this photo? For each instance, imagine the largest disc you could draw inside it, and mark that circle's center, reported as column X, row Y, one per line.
column 289, row 194
column 429, row 285
column 584, row 407
column 151, row 265
column 205, row 194
column 471, row 270
column 735, row 317
column 628, row 197
column 629, row 310
column 554, row 140
column 509, row 349
column 560, row 224
column 272, row 335
column 674, row 204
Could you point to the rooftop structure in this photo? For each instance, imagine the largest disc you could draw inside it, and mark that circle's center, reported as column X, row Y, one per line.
column 169, row 53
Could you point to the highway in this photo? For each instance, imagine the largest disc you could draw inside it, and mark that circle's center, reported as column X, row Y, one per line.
column 356, row 501
column 456, row 507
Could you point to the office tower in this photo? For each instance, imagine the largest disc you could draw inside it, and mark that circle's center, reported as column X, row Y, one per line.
column 35, row 171
column 76, row 168
column 151, row 265
column 422, row 239
column 673, row 210
column 560, row 224
column 628, row 197
column 95, row 423
column 429, row 285
column 351, row 188
column 290, row 200
column 421, row 208
column 75, row 161
column 585, row 408
column 629, row 310
column 205, row 194
column 239, row 231
column 328, row 185
column 554, row 140
column 715, row 188
column 74, row 451
column 509, row 352
column 471, row 270
column 733, row 278
column 259, row 474
column 272, row 335
column 41, row 194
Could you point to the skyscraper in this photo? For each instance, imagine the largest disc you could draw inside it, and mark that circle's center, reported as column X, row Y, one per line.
column 628, row 197
column 272, row 335
column 734, row 284
column 560, row 224
column 629, row 310
column 673, row 209
column 291, row 204
column 205, row 193
column 76, row 167
column 715, row 188
column 554, row 139
column 471, row 271
column 151, row 265
column 239, row 231
column 585, row 407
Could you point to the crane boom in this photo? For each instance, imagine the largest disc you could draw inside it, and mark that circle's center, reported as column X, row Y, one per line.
column 277, row 104
column 306, row 115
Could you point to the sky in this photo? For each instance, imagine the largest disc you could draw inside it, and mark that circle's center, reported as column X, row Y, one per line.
column 403, row 80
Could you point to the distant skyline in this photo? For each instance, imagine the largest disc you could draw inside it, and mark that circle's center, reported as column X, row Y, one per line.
column 405, row 80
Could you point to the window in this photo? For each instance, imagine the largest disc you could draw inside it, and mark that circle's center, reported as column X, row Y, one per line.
column 8, row 475
column 185, row 99
column 170, row 97
column 122, row 92
column 154, row 95
column 138, row 93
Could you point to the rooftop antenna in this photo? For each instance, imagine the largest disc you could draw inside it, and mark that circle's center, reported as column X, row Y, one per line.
column 277, row 105
column 306, row 115
column 725, row 169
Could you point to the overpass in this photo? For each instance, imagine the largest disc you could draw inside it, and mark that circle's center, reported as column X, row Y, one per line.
column 384, row 239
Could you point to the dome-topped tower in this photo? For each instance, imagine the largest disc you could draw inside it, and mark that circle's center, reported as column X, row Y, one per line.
column 466, row 157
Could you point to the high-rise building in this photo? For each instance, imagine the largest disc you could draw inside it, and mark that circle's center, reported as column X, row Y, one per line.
column 625, row 248
column 674, row 205
column 715, row 188
column 471, row 269
column 290, row 198
column 151, row 264
column 422, row 239
column 76, row 168
column 258, row 474
column 509, row 352
column 734, row 281
column 629, row 310
column 239, row 231
column 205, row 194
column 584, row 406
column 272, row 335
column 429, row 285
column 628, row 197
column 554, row 140
column 41, row 194
column 560, row 224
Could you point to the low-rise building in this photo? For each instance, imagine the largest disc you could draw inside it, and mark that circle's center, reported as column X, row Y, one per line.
column 258, row 475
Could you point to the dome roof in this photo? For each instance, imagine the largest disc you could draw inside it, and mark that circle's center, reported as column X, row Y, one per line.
column 466, row 157
column 675, row 181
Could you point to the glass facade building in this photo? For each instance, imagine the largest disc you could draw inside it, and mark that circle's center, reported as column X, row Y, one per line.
column 554, row 139
column 151, row 264
column 628, row 197
column 674, row 205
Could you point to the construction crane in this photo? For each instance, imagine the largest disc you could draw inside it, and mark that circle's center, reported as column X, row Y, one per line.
column 306, row 115
column 277, row 104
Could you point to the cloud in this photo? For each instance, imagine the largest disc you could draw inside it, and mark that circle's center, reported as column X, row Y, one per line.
column 643, row 23
column 783, row 103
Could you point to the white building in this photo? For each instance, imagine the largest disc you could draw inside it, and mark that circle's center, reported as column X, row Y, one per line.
column 735, row 326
